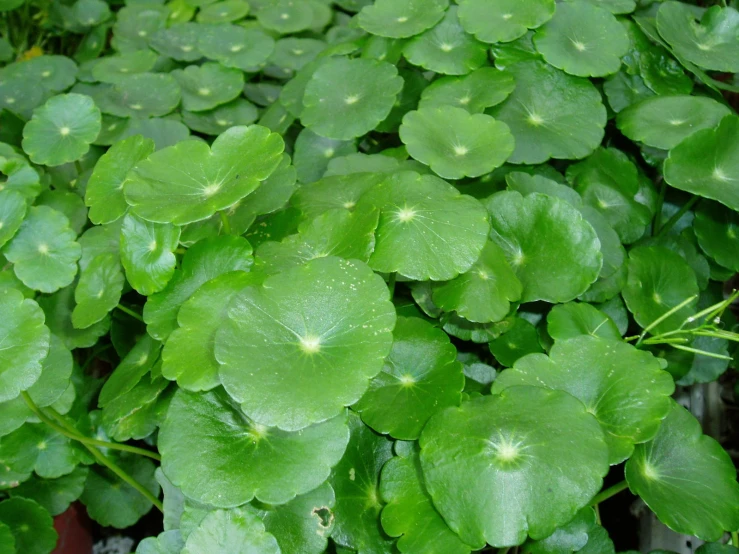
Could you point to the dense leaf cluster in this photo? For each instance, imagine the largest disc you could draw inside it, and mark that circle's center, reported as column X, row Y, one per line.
column 394, row 276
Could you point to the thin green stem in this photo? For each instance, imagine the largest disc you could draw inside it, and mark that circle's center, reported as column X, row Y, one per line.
column 677, row 215
column 225, row 222
column 130, row 312
column 735, row 539
column 100, row 443
column 658, row 212
column 664, row 316
column 125, row 477
column 596, row 508
column 391, row 283
column 609, row 492
column 63, row 427
column 99, row 456
column 702, row 352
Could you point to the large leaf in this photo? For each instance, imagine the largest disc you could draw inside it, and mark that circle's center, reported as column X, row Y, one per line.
column 537, row 456
column 544, row 108
column 401, row 18
column 420, row 216
column 537, row 233
column 686, row 478
column 217, row 455
column 44, row 251
column 625, row 389
column 421, row 376
column 297, row 349
column 31, row 526
column 191, row 181
column 707, row 163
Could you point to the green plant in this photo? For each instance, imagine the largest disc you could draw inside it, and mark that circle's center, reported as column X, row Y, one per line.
column 403, row 276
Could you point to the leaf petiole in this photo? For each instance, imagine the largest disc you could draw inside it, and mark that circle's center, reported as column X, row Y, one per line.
column 609, row 492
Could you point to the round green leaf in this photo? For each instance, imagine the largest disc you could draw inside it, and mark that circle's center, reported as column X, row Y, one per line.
column 367, row 93
column 485, row 292
column 707, row 163
column 285, row 346
column 235, row 46
column 112, row 502
column 356, row 482
column 573, row 319
column 410, row 514
column 717, row 230
column 665, row 121
column 48, row 453
column 659, row 280
column 179, row 41
column 25, row 342
column 61, row 130
column 55, row 374
column 56, row 73
column 446, row 48
column 421, row 376
column 686, row 478
column 12, row 212
column 30, row 524
column 235, row 531
column 104, row 192
column 711, row 43
column 191, row 181
column 526, row 184
column 223, row 12
column 474, row 92
column 217, row 455
column 217, row 120
column 625, row 389
column 456, row 143
column 583, row 39
column 537, row 457
column 206, row 260
column 503, row 20
column 569, row 538
column 44, row 250
column 608, row 182
column 53, row 494
column 544, row 108
column 293, row 53
column 420, row 217
column 554, row 252
column 143, row 95
column 147, row 253
column 113, row 69
column 285, row 16
column 401, row 18
column 20, row 95
column 209, row 85
column 136, row 363
column 136, row 23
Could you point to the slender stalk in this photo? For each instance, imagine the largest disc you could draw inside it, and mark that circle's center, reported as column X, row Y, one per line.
column 130, row 312
column 125, row 477
column 677, row 215
column 660, row 202
column 702, row 352
column 225, row 222
column 596, row 508
column 664, row 316
column 101, row 443
column 735, row 539
column 63, row 427
column 609, row 492
column 391, row 283
column 99, row 456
